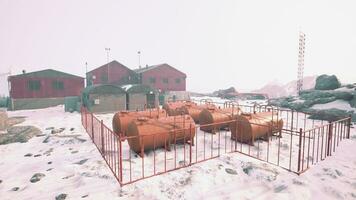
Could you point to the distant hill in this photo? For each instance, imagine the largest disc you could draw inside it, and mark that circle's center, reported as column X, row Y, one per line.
column 275, row 90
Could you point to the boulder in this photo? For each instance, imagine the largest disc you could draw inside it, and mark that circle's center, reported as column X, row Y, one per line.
column 3, row 120
column 326, row 82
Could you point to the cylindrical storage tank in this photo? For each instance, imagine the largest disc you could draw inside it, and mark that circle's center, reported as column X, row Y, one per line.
column 122, row 119
column 254, row 126
column 176, row 108
column 212, row 119
column 148, row 134
column 194, row 110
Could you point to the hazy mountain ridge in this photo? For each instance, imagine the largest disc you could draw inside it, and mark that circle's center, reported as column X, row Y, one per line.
column 275, row 90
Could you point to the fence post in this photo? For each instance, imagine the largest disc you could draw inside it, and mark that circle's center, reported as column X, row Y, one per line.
column 349, row 126
column 330, row 138
column 86, row 120
column 102, row 136
column 190, row 144
column 120, row 158
column 300, row 147
column 92, row 126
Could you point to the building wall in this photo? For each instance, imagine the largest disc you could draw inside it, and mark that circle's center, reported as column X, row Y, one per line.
column 117, row 74
column 35, row 103
column 107, row 103
column 19, row 87
column 161, row 73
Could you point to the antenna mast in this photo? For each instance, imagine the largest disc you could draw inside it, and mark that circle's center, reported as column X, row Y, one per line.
column 301, row 61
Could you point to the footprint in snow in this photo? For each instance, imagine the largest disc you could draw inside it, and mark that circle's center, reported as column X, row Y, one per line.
column 231, row 171
column 280, row 188
column 81, row 162
column 61, row 196
column 37, row 177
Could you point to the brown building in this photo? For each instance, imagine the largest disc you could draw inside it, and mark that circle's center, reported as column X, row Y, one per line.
column 111, row 73
column 162, row 77
column 43, row 88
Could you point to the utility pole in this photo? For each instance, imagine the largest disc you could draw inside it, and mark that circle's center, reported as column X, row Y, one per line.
column 86, row 74
column 107, row 55
column 139, row 59
column 301, row 61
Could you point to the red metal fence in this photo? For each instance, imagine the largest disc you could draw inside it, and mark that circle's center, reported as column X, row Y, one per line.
column 292, row 148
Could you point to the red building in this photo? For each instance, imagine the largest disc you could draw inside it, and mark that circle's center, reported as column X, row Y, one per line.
column 111, row 73
column 47, row 83
column 162, row 77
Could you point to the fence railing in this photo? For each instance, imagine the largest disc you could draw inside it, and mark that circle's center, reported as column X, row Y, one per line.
column 290, row 147
column 106, row 141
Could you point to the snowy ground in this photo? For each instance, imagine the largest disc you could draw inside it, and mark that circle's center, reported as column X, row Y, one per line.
column 339, row 104
column 231, row 176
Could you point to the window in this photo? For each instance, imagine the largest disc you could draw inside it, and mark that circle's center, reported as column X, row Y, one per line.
column 177, row 80
column 165, row 80
column 152, row 80
column 34, row 85
column 57, row 85
column 104, row 78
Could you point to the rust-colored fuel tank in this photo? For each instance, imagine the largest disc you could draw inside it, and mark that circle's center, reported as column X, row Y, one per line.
column 174, row 108
column 122, row 119
column 217, row 117
column 194, row 110
column 254, row 126
column 148, row 134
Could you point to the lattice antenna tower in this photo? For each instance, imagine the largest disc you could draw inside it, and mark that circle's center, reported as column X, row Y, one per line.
column 301, row 61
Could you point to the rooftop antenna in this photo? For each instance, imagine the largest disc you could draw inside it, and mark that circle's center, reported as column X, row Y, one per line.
column 139, row 59
column 301, row 61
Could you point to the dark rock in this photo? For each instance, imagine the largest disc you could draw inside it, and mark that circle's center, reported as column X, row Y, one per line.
column 326, row 82
column 67, row 177
column 230, row 171
column 85, row 196
column 280, row 188
column 37, row 177
column 297, row 182
column 71, row 129
column 18, row 134
column 247, row 169
column 40, row 135
column 226, row 93
column 50, row 162
column 49, row 128
column 37, row 155
column 0, row 181
column 73, row 152
column 46, row 140
column 61, row 196
column 338, row 172
column 49, row 169
column 15, row 188
column 81, row 162
column 54, row 131
column 28, row 155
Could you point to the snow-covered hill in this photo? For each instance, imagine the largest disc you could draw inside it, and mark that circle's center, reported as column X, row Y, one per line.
column 275, row 90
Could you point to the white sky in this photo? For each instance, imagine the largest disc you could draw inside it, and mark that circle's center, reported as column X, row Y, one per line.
column 218, row 44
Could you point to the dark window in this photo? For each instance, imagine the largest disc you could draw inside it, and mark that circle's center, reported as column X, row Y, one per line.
column 104, row 78
column 177, row 80
column 152, row 80
column 34, row 85
column 165, row 80
column 57, row 85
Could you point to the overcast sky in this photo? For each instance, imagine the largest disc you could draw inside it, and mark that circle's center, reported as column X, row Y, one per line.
column 218, row 44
